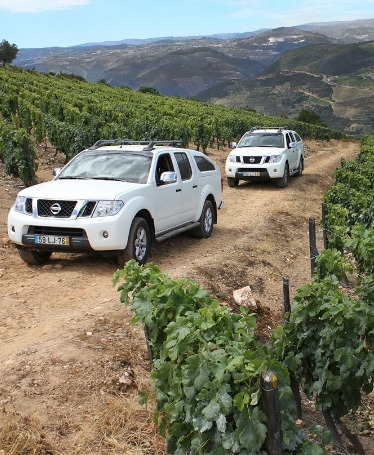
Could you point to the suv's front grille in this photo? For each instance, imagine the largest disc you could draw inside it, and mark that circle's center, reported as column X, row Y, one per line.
column 59, row 209
column 252, row 159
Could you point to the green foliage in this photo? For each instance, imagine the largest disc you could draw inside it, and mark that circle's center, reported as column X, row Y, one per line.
column 12, row 149
column 328, row 343
column 207, row 367
column 65, row 110
column 309, row 117
column 151, row 90
column 8, row 52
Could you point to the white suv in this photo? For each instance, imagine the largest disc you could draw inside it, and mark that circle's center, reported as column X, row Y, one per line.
column 115, row 198
column 266, row 154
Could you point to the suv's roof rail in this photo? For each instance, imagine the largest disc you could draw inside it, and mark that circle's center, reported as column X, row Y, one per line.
column 279, row 128
column 151, row 144
column 101, row 142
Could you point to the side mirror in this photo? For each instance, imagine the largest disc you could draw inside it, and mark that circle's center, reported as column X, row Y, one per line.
column 168, row 177
column 292, row 145
column 233, row 145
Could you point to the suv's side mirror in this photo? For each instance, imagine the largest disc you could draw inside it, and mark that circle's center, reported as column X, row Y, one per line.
column 168, row 177
column 292, row 145
column 233, row 145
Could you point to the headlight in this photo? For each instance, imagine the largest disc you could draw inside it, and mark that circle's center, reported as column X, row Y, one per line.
column 108, row 208
column 19, row 205
column 231, row 159
column 275, row 158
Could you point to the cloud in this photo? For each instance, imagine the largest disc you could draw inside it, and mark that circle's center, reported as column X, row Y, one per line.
column 38, row 6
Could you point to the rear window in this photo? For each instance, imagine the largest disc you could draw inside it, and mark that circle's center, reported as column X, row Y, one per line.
column 203, row 164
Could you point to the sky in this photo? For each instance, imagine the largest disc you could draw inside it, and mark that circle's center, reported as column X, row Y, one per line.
column 63, row 23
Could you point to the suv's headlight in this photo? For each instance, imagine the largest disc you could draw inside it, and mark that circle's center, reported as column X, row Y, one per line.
column 107, row 208
column 231, row 159
column 19, row 205
column 275, row 158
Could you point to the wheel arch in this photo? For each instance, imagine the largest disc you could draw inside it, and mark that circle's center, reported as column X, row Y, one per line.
column 145, row 214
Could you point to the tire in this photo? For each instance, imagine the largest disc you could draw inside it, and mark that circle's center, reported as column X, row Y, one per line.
column 283, row 182
column 138, row 243
column 34, row 257
column 300, row 168
column 232, row 182
column 206, row 221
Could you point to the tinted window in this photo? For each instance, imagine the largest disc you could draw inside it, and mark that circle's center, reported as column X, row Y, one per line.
column 297, row 137
column 203, row 164
column 184, row 165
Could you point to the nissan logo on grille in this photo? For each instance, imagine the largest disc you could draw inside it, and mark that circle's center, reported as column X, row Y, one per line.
column 55, row 208
column 252, row 160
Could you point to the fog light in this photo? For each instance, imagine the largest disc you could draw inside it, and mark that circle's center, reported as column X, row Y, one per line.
column 105, row 234
column 13, row 229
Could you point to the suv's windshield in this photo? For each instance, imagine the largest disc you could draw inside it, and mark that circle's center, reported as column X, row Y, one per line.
column 129, row 167
column 262, row 140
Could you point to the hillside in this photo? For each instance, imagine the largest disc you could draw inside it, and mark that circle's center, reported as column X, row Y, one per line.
column 335, row 81
column 275, row 72
column 180, row 67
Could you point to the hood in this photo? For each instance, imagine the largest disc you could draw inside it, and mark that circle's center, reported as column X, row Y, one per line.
column 257, row 151
column 80, row 189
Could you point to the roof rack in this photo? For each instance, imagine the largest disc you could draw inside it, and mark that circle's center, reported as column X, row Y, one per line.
column 278, row 128
column 101, row 142
column 149, row 145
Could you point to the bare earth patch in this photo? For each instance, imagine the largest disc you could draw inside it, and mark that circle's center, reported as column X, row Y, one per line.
column 71, row 362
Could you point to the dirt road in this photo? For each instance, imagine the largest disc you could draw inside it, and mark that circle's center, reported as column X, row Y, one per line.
column 71, row 363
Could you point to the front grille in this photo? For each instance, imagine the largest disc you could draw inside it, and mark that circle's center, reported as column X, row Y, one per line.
column 28, row 206
column 88, row 208
column 61, row 232
column 251, row 169
column 58, row 209
column 252, row 159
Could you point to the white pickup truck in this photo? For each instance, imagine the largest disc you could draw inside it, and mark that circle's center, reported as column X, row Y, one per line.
column 272, row 154
column 115, row 198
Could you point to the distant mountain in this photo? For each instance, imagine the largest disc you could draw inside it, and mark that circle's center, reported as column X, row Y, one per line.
column 344, row 31
column 335, row 81
column 173, row 67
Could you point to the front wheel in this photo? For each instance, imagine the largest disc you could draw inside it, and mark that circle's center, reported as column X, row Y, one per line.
column 283, row 181
column 34, row 257
column 300, row 168
column 138, row 243
column 232, row 182
column 206, row 221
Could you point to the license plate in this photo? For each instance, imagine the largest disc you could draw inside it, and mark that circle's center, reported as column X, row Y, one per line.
column 251, row 174
column 51, row 240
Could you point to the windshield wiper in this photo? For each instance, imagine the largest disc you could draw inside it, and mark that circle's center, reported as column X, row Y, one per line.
column 109, row 178
column 72, row 178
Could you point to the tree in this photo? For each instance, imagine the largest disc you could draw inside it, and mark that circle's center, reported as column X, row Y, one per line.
column 8, row 52
column 309, row 117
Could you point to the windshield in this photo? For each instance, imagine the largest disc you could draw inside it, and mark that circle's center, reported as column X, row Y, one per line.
column 262, row 140
column 122, row 166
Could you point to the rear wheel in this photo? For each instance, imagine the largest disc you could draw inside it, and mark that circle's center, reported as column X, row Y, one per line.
column 283, row 181
column 205, row 228
column 138, row 243
column 232, row 182
column 34, row 257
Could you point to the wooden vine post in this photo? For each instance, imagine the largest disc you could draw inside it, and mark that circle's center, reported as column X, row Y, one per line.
column 270, row 399
column 312, row 244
